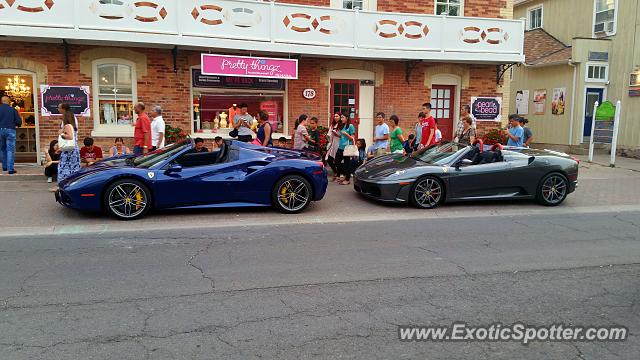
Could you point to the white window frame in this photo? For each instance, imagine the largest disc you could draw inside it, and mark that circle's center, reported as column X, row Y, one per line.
column 615, row 20
column 533, row 8
column 594, row 80
column 105, row 129
column 435, row 7
column 367, row 5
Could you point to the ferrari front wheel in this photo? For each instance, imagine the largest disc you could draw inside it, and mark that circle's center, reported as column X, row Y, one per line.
column 427, row 193
column 127, row 199
column 291, row 194
column 553, row 189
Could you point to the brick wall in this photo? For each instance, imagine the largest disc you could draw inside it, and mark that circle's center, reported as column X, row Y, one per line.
column 306, row 2
column 161, row 86
column 479, row 8
column 171, row 90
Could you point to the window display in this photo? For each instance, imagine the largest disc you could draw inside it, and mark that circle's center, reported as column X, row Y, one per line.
column 216, row 101
column 214, row 113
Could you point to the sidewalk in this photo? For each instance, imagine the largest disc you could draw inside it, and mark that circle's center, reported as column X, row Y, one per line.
column 603, row 160
column 25, row 172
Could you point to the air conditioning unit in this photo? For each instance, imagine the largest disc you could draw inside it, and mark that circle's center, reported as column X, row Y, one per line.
column 603, row 28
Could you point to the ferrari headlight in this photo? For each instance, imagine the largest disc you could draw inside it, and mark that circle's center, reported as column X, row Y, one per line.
column 400, row 172
column 76, row 181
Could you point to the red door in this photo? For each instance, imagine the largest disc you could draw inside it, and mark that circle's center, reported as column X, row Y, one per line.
column 345, row 99
column 442, row 100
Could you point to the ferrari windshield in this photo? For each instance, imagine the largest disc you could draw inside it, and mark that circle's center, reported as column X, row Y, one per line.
column 442, row 154
column 152, row 158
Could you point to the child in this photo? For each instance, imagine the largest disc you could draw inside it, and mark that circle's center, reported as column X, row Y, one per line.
column 314, row 136
column 438, row 133
column 362, row 151
column 408, row 144
column 282, row 142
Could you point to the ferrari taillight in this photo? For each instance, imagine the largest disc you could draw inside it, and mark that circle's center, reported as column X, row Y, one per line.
column 575, row 159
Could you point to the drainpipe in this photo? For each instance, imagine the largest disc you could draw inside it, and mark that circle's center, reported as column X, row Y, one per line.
column 573, row 102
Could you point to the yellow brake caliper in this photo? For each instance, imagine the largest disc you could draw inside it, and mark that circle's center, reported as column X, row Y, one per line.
column 138, row 200
column 283, row 195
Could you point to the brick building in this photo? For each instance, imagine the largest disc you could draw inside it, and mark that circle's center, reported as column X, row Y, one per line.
column 391, row 56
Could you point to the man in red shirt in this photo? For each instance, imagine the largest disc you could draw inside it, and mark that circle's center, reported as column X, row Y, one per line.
column 89, row 154
column 428, row 127
column 142, row 132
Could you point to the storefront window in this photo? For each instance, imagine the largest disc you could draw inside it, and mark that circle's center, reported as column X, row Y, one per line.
column 215, row 112
column 114, row 92
column 217, row 99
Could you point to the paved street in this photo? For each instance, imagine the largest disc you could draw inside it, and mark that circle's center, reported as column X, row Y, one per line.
column 332, row 283
column 320, row 290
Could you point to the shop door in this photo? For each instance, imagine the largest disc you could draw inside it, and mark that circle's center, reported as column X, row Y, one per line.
column 27, row 142
column 442, row 100
column 345, row 99
column 592, row 95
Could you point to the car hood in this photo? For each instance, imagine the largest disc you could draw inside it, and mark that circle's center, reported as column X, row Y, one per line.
column 101, row 166
column 387, row 165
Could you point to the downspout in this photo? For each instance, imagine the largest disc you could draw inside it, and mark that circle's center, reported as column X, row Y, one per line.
column 573, row 102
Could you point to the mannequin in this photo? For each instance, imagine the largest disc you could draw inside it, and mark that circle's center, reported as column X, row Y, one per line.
column 223, row 120
column 216, row 122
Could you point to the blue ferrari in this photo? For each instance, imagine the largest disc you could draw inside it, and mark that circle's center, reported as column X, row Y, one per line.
column 176, row 177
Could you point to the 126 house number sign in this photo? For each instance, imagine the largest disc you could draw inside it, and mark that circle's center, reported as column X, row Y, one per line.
column 309, row 93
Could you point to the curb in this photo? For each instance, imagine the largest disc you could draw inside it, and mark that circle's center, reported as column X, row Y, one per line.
column 115, row 228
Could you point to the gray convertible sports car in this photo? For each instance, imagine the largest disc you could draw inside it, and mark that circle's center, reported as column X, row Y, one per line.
column 456, row 172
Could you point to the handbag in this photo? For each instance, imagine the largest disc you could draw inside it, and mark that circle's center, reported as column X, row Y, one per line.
column 351, row 151
column 233, row 133
column 66, row 145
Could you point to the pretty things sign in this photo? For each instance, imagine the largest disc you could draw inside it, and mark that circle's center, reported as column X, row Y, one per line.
column 77, row 97
column 249, row 66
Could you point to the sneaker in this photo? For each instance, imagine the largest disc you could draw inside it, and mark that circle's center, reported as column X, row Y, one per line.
column 12, row 172
column 49, row 179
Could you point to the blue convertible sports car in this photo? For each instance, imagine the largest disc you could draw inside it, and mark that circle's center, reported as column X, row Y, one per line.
column 235, row 175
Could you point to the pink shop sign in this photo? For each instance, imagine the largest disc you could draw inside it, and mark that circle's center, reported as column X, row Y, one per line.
column 249, row 66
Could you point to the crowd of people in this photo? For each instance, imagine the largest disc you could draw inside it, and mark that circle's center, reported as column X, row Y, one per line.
column 343, row 153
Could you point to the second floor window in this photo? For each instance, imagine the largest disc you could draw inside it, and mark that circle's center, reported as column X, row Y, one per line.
column 353, row 4
column 534, row 16
column 604, row 17
column 449, row 7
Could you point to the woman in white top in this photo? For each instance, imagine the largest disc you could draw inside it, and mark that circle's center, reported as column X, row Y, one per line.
column 70, row 159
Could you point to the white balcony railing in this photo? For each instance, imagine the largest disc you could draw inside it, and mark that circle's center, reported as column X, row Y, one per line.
column 267, row 26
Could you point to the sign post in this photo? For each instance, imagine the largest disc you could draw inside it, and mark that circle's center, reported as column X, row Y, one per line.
column 593, row 126
column 604, row 129
column 614, row 141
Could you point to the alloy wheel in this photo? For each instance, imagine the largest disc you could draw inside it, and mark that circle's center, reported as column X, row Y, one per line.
column 554, row 189
column 293, row 195
column 428, row 193
column 127, row 200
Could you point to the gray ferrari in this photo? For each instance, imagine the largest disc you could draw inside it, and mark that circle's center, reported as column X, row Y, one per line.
column 454, row 172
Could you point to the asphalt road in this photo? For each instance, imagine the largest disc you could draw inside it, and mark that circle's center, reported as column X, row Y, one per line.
column 321, row 290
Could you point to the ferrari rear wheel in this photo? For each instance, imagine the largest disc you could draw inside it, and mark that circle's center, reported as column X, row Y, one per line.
column 127, row 199
column 553, row 189
column 427, row 193
column 292, row 194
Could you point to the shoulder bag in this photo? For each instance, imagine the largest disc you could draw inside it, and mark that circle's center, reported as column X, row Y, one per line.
column 66, row 145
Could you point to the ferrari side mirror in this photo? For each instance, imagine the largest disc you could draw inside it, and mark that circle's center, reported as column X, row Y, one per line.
column 531, row 159
column 174, row 168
